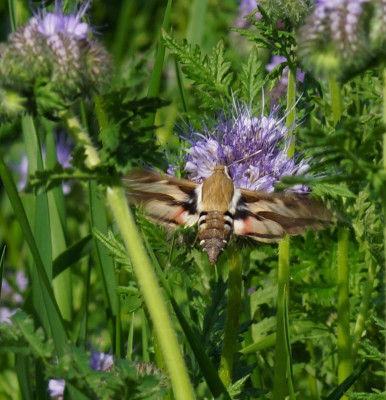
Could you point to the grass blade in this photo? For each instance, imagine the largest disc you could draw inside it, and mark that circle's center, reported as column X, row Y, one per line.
column 72, row 255
column 59, row 334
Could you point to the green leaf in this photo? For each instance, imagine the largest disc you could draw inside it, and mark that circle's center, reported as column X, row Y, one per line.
column 125, row 141
column 333, row 190
column 72, row 254
column 21, row 337
column 251, row 77
column 211, row 75
column 116, row 249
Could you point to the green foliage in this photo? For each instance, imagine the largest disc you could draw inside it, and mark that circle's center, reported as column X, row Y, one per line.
column 210, row 75
column 115, row 248
column 269, row 36
column 251, row 77
column 123, row 380
column 21, row 338
column 125, row 141
column 346, row 172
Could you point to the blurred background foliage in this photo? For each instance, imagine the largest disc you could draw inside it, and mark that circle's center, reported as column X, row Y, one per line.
column 346, row 161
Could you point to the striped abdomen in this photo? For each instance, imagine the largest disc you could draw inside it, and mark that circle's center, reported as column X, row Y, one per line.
column 214, row 230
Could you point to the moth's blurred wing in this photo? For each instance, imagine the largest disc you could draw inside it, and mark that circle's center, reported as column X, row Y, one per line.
column 268, row 217
column 166, row 200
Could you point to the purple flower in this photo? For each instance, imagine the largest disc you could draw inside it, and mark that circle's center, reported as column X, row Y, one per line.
column 281, row 86
column 57, row 49
column 245, row 8
column 101, row 361
column 11, row 289
column 51, row 24
column 64, row 147
column 336, row 34
column 254, row 148
column 56, row 388
column 6, row 314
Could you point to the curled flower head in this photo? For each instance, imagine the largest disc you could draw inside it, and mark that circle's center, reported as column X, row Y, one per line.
column 290, row 12
column 54, row 58
column 337, row 34
column 254, row 148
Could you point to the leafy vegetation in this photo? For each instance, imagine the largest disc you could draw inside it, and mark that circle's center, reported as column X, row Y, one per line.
column 80, row 278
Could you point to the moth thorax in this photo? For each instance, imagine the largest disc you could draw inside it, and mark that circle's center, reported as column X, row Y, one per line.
column 214, row 230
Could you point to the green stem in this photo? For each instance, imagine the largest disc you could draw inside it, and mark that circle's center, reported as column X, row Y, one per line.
column 280, row 382
column 364, row 307
column 336, row 101
column 343, row 339
column 59, row 332
column 146, row 278
column 155, row 79
column 383, row 192
column 232, row 320
column 291, row 100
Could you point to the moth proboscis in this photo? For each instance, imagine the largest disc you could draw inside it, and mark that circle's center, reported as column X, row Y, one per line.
column 222, row 209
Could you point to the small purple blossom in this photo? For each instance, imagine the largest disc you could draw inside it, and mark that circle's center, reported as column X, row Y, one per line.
column 101, row 361
column 64, row 147
column 6, row 314
column 281, row 86
column 11, row 288
column 254, row 148
column 53, row 23
column 56, row 388
column 245, row 8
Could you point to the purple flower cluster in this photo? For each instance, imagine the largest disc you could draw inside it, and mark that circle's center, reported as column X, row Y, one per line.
column 254, row 148
column 98, row 362
column 11, row 295
column 57, row 52
column 245, row 8
column 342, row 33
column 52, row 24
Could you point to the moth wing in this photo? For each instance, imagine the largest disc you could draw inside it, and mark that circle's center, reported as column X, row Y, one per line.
column 166, row 200
column 268, row 217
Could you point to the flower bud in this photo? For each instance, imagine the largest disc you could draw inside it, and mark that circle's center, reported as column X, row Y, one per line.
column 335, row 36
column 56, row 51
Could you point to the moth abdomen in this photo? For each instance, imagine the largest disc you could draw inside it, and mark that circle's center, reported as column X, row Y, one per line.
column 214, row 231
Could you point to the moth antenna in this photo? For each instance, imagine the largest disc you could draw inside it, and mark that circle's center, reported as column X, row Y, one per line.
column 245, row 158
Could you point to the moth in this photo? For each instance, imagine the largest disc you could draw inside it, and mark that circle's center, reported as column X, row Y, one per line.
column 220, row 208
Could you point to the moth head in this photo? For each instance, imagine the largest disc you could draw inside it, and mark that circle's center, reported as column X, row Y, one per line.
column 222, row 169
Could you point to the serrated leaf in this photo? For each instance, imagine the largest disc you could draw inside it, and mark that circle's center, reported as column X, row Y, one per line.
column 36, row 339
column 250, row 78
column 22, row 338
column 236, row 388
column 117, row 250
column 263, row 295
column 333, row 190
column 211, row 75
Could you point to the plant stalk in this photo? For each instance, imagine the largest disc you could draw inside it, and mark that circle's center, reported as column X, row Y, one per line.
column 344, row 339
column 232, row 320
column 146, row 278
column 280, row 382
